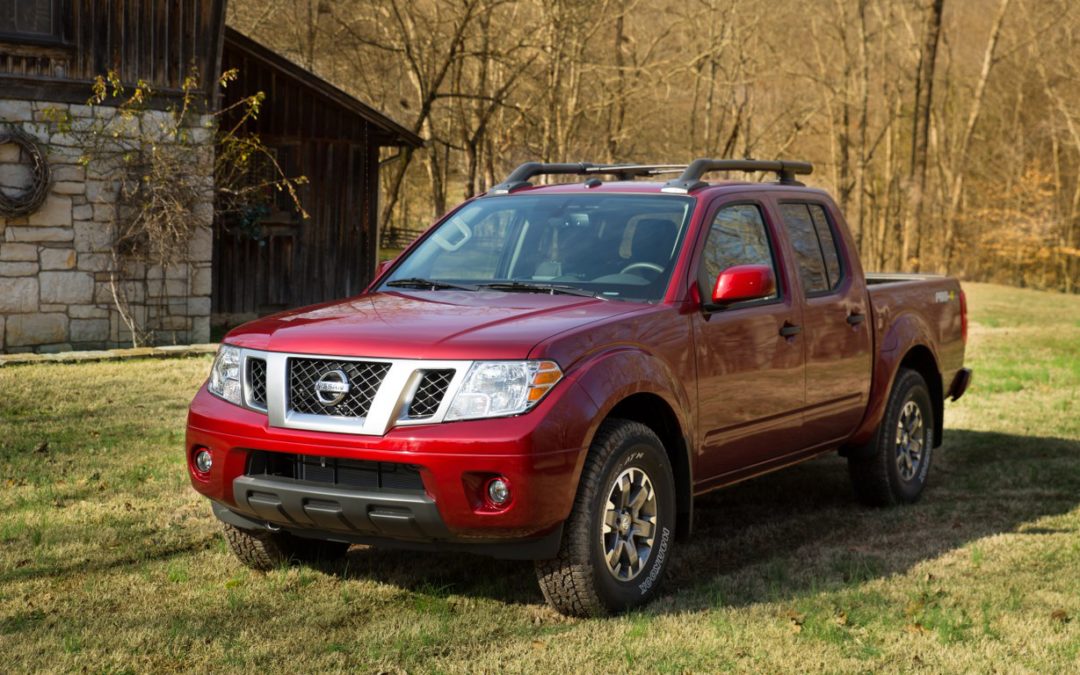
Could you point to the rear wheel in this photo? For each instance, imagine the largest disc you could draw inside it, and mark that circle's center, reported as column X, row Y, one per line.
column 893, row 467
column 617, row 541
column 264, row 550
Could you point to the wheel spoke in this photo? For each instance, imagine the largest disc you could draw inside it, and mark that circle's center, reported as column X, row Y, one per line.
column 624, row 490
column 609, row 519
column 632, row 554
column 643, row 528
column 615, row 553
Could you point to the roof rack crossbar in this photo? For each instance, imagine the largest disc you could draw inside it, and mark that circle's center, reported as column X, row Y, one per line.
column 690, row 180
column 519, row 177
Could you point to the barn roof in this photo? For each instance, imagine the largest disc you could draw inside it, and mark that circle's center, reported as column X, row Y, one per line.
column 395, row 133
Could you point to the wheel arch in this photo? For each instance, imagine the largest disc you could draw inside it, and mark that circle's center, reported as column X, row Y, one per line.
column 654, row 412
column 920, row 359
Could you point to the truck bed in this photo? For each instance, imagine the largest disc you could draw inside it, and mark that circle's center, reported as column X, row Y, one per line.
column 925, row 305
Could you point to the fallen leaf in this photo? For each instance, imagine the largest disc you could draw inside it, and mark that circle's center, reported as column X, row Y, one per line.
column 42, row 448
column 916, row 628
column 1060, row 615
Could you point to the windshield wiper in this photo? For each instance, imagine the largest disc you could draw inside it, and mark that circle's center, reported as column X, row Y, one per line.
column 430, row 284
column 521, row 287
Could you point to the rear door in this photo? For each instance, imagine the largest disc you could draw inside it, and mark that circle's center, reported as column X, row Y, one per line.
column 750, row 377
column 836, row 328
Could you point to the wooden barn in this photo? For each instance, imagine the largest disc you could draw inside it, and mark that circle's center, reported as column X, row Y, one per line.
column 320, row 132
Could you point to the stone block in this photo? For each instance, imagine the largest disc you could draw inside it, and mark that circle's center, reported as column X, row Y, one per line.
column 15, row 176
column 201, row 281
column 199, row 306
column 94, row 262
column 52, row 308
column 39, row 234
column 89, row 330
column 69, row 173
column 69, row 187
column 71, row 288
column 100, row 192
column 58, row 259
column 18, row 294
column 36, row 329
column 88, row 312
column 16, row 111
column 105, row 213
column 83, row 212
column 10, row 251
column 55, row 348
column 201, row 246
column 92, row 238
column 177, row 271
column 200, row 330
column 9, row 153
column 18, row 269
column 65, row 155
column 55, row 212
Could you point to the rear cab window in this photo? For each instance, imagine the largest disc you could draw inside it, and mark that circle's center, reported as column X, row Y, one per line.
column 816, row 251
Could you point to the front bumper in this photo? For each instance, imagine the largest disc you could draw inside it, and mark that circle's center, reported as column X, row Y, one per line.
column 540, row 454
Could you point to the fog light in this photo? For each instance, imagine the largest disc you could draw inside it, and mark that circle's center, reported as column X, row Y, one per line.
column 203, row 461
column 498, row 491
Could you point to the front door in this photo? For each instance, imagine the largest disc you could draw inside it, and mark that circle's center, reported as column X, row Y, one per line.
column 750, row 377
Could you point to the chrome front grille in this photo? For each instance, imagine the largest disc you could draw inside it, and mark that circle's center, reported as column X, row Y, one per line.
column 256, row 378
column 364, row 378
column 429, row 393
column 381, row 393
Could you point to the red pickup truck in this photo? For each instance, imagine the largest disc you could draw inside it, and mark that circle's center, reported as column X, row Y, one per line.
column 553, row 373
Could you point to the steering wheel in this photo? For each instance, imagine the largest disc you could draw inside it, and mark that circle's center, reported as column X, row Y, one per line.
column 653, row 267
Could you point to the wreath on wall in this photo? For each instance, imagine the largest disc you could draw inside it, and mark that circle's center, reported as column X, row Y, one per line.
column 31, row 198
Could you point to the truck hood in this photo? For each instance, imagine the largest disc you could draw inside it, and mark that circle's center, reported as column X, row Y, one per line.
column 427, row 324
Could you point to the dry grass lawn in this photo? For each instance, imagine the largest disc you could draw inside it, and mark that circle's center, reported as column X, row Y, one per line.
column 109, row 562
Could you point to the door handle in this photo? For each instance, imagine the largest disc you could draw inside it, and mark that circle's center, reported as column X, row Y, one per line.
column 790, row 330
column 855, row 318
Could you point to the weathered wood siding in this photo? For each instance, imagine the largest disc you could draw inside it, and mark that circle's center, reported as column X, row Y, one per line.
column 158, row 41
column 333, row 253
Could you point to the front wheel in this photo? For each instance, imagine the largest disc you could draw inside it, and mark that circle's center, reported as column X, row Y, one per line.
column 893, row 467
column 618, row 539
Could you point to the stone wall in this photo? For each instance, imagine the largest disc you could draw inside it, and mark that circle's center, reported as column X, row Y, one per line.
column 55, row 290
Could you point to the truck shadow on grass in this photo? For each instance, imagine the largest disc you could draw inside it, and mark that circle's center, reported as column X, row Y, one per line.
column 783, row 534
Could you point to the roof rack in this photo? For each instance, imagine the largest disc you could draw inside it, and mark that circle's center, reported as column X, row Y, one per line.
column 690, row 180
column 519, row 177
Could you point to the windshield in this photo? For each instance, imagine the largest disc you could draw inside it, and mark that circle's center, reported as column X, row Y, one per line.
column 615, row 246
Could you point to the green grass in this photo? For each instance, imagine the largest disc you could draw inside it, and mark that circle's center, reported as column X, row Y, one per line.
column 110, row 562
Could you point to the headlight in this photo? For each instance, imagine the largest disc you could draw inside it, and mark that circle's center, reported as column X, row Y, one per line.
column 225, row 375
column 500, row 388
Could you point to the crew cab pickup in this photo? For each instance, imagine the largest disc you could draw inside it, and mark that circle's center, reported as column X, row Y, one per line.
column 554, row 372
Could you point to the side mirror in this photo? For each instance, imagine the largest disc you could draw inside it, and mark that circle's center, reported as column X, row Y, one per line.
column 743, row 282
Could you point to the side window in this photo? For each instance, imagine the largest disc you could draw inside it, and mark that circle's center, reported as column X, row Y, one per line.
column 815, row 247
column 828, row 243
column 737, row 236
column 31, row 18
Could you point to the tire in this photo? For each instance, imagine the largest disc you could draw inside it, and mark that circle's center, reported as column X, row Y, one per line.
column 625, row 457
column 263, row 550
column 893, row 467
